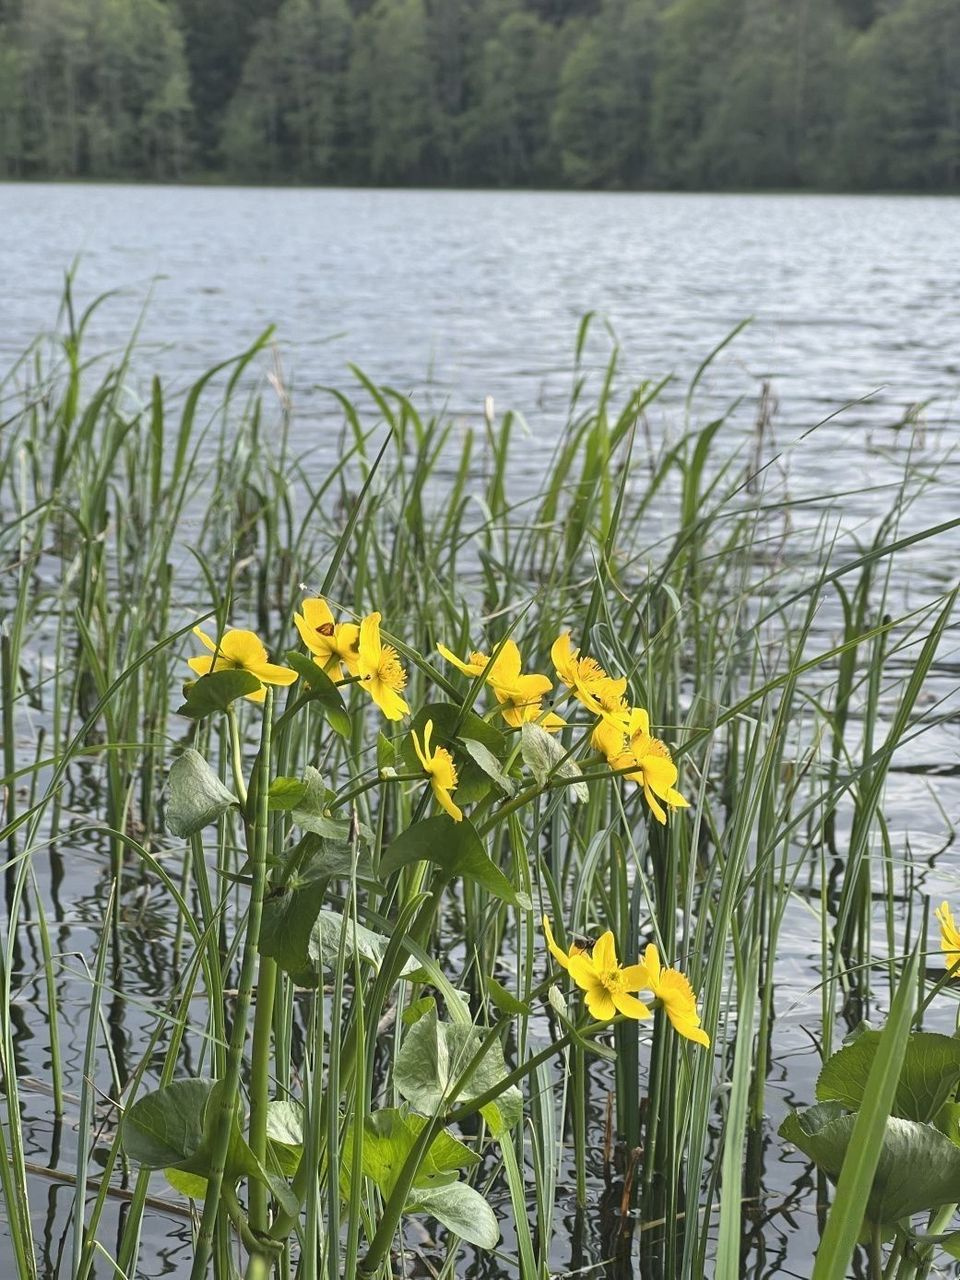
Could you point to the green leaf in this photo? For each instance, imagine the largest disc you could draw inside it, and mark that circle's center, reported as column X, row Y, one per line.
column 215, row 692
column 502, row 999
column 388, row 1138
column 546, row 757
column 285, row 1134
column 165, row 1127
column 323, row 691
column 488, row 762
column 286, row 793
column 324, row 946
column 866, row 1165
column 454, row 846
column 188, row 1184
column 290, row 911
column 918, row 1168
column 435, row 1054
column 928, row 1077
column 312, row 812
column 195, row 795
column 386, row 752
column 461, row 1209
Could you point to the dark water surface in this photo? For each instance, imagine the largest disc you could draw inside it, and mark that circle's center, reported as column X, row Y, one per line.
column 455, row 296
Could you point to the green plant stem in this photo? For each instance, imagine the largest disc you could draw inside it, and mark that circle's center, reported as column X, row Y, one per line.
column 260, row 1086
column 230, row 1086
column 236, row 755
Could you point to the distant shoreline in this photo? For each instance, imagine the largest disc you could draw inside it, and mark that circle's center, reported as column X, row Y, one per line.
column 215, row 181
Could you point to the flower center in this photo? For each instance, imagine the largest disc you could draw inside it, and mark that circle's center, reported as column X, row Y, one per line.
column 390, row 672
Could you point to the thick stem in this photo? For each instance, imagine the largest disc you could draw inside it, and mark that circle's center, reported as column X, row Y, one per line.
column 260, row 1086
column 230, row 1085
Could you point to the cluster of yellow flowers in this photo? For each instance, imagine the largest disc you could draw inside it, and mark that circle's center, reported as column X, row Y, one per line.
column 622, row 732
column 356, row 652
column 607, row 985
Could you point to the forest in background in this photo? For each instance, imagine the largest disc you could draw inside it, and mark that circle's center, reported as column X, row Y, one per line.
column 617, row 94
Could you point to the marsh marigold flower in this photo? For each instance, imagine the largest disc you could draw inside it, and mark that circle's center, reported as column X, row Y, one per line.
column 333, row 644
column 240, row 650
column 949, row 936
column 379, row 669
column 626, row 742
column 439, row 766
column 520, row 695
column 562, row 957
column 605, row 983
column 586, row 679
column 674, row 992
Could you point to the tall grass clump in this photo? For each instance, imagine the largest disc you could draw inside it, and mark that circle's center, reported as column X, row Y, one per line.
column 400, row 856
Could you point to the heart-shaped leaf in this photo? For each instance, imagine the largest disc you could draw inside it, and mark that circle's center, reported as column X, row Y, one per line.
column 454, row 846
column 928, row 1077
column 215, row 692
column 433, row 1057
column 919, row 1168
column 195, row 795
column 461, row 1209
column 546, row 757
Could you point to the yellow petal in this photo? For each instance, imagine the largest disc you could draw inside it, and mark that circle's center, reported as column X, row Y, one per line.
column 444, row 799
column 388, row 700
column 551, row 722
column 600, row 1002
column 651, row 962
column 316, row 613
column 245, row 648
column 204, row 665
column 202, row 636
column 659, row 773
column 635, row 977
column 630, row 1005
column 370, row 646
column 472, row 669
column 421, row 754
column 561, row 957
column 272, row 673
column 564, row 658
column 656, row 808
column 581, row 969
column 320, row 646
column 605, row 953
column 505, row 667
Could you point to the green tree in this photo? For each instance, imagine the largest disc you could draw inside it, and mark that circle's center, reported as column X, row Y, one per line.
column 601, row 119
column 902, row 119
column 395, row 130
column 285, row 120
column 505, row 133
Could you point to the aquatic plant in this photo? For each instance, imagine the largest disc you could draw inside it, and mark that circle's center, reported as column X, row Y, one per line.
column 321, row 1005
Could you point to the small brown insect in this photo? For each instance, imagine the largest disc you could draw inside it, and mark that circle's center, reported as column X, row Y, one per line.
column 326, row 629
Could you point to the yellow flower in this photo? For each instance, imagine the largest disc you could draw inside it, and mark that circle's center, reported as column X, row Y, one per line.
column 647, row 758
column 240, row 650
column 586, row 678
column 562, row 957
column 674, row 992
column 380, row 671
column 474, row 666
column 520, row 696
column 333, row 643
column 605, row 983
column 440, row 768
column 949, row 936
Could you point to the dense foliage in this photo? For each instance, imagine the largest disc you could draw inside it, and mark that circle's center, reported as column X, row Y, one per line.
column 582, row 93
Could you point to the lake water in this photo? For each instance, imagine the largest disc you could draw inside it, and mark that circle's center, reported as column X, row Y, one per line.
column 455, row 296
